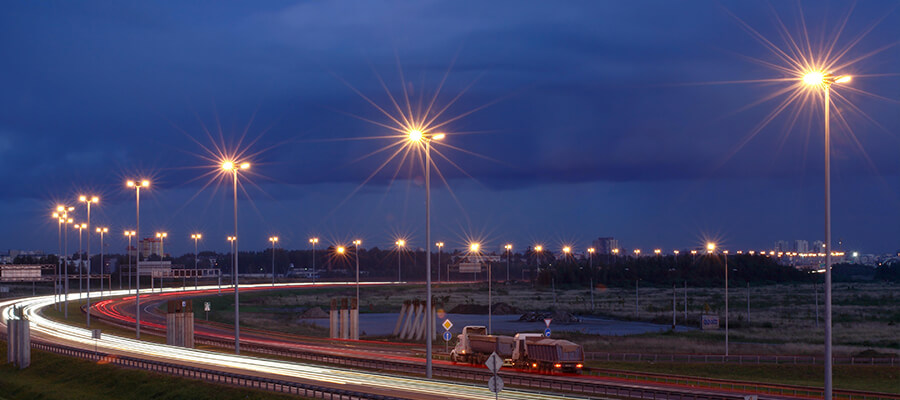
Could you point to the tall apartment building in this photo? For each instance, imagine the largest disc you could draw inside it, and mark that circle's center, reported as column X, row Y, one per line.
column 605, row 245
column 149, row 246
column 782, row 246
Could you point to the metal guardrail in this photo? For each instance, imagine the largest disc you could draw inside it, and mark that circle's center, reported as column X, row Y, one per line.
column 213, row 376
column 739, row 359
column 748, row 387
column 542, row 382
column 545, row 382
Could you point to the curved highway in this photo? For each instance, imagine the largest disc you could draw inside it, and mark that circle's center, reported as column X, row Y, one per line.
column 114, row 306
column 367, row 382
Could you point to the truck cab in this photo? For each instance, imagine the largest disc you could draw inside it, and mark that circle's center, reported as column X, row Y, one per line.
column 462, row 349
column 520, row 348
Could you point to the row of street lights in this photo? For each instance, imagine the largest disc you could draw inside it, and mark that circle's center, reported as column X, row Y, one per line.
column 417, row 136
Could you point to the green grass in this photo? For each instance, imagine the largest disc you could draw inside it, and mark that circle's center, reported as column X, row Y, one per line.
column 851, row 377
column 52, row 377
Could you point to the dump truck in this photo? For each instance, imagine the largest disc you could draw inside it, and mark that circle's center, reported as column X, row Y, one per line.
column 532, row 351
column 475, row 346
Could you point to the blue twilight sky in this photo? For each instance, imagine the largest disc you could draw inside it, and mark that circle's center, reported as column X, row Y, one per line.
column 591, row 119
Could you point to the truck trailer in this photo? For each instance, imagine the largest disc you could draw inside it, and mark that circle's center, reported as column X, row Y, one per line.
column 534, row 352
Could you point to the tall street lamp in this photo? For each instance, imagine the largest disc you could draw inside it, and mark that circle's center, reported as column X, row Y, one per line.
column 274, row 240
column 440, row 246
column 637, row 280
column 162, row 237
column 231, row 240
column 128, row 234
column 537, row 259
column 137, row 279
column 426, row 138
column 356, row 244
column 508, row 248
column 400, row 243
column 196, row 237
column 88, row 201
column 821, row 79
column 162, row 254
column 102, row 231
column 55, row 215
column 62, row 218
column 314, row 241
column 474, row 248
column 233, row 168
column 81, row 227
column 591, row 251
column 711, row 249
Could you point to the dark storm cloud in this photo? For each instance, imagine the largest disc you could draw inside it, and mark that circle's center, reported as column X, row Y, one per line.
column 578, row 92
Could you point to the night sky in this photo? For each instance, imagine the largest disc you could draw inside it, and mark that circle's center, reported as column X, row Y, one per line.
column 590, row 119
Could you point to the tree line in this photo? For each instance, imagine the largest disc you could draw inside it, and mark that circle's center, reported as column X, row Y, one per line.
column 543, row 268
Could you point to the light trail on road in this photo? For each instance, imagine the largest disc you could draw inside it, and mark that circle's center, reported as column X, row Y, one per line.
column 415, row 387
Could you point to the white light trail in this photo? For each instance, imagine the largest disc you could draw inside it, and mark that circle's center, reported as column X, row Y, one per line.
column 335, row 376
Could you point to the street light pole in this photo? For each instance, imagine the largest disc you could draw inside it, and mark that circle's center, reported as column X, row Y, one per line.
column 62, row 218
column 88, row 201
column 128, row 234
column 59, row 221
column 102, row 232
column 237, row 304
column 725, row 256
column 417, row 136
column 162, row 250
column 400, row 243
column 440, row 246
column 273, row 239
column 196, row 237
column 137, row 279
column 66, row 269
column 591, row 271
column 508, row 256
column 232, row 167
column 825, row 81
column 80, row 228
column 637, row 279
column 356, row 244
column 314, row 241
column 711, row 249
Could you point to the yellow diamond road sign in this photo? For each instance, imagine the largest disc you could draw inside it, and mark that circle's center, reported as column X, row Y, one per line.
column 447, row 324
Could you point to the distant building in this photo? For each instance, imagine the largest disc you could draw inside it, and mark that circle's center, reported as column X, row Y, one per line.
column 801, row 246
column 150, row 246
column 11, row 255
column 782, row 246
column 605, row 245
column 818, row 247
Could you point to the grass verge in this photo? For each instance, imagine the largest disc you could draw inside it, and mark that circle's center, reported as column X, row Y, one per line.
column 52, row 376
column 850, row 377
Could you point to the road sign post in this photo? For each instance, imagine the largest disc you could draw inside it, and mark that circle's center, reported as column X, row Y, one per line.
column 495, row 384
column 447, row 335
column 493, row 364
column 547, row 332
